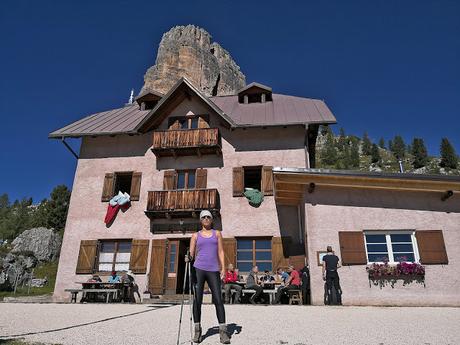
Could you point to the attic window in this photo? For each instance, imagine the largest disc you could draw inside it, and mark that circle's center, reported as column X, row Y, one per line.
column 255, row 93
column 148, row 99
column 148, row 105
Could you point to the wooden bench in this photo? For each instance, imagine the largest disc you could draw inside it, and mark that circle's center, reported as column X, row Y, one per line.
column 271, row 293
column 73, row 294
column 108, row 292
column 295, row 296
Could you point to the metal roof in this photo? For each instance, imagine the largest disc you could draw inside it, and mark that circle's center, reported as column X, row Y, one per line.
column 115, row 121
column 283, row 110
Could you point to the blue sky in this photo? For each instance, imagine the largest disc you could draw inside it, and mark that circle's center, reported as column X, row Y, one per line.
column 385, row 67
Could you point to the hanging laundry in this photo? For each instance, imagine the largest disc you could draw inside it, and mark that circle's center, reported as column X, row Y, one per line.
column 111, row 213
column 121, row 200
column 254, row 196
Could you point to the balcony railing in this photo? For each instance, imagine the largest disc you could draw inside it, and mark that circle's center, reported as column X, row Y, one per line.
column 186, row 142
column 170, row 203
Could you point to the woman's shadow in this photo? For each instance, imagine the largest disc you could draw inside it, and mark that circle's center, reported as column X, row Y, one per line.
column 232, row 328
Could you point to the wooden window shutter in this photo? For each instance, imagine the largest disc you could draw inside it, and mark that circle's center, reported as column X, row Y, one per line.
column 267, row 180
column 431, row 247
column 107, row 190
column 169, row 179
column 202, row 123
column 279, row 259
column 139, row 255
column 352, row 248
column 86, row 257
column 238, row 181
column 157, row 276
column 136, row 186
column 201, row 178
column 229, row 245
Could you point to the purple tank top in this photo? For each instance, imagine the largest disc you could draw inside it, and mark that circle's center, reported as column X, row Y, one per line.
column 206, row 253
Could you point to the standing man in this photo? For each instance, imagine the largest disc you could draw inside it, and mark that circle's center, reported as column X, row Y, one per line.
column 231, row 277
column 330, row 275
column 253, row 282
column 305, row 277
column 293, row 283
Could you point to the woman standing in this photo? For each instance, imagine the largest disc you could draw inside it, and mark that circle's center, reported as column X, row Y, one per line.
column 207, row 250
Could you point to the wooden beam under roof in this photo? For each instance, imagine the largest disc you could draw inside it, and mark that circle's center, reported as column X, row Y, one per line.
column 367, row 182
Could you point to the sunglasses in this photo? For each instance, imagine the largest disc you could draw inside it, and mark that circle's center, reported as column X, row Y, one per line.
column 206, row 217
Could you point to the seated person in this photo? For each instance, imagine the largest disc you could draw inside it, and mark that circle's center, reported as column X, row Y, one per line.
column 130, row 288
column 230, row 282
column 114, row 278
column 253, row 282
column 95, row 279
column 281, row 276
column 292, row 283
column 268, row 279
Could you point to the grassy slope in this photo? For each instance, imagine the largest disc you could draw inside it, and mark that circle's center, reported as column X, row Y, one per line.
column 389, row 163
column 48, row 270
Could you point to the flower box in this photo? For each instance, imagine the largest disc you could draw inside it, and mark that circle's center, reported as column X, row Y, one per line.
column 384, row 273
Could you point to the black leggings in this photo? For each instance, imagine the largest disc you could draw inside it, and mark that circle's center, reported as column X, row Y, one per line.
column 213, row 280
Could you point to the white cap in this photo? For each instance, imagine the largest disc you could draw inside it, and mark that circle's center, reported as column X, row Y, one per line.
column 205, row 213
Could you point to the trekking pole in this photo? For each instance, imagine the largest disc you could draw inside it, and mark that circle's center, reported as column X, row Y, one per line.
column 187, row 265
column 190, row 301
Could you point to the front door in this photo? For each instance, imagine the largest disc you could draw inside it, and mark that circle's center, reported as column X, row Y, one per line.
column 175, row 265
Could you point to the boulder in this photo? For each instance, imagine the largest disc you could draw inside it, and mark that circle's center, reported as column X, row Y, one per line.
column 44, row 243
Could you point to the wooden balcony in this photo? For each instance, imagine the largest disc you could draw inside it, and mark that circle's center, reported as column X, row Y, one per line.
column 184, row 203
column 187, row 142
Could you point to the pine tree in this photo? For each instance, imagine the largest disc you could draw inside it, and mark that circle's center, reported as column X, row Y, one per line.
column 390, row 145
column 57, row 207
column 449, row 158
column 398, row 147
column 323, row 129
column 342, row 141
column 328, row 152
column 344, row 159
column 367, row 145
column 419, row 152
column 354, row 154
column 382, row 143
column 375, row 154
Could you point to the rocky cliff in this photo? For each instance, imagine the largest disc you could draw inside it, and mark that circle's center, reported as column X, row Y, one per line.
column 187, row 51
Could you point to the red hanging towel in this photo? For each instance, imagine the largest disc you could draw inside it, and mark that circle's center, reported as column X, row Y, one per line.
column 111, row 213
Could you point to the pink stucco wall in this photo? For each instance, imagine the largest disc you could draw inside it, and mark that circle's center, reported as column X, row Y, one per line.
column 270, row 146
column 329, row 211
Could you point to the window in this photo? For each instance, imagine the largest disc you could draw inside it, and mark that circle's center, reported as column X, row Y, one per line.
column 172, row 257
column 123, row 182
column 254, row 252
column 253, row 177
column 185, row 179
column 394, row 246
column 114, row 256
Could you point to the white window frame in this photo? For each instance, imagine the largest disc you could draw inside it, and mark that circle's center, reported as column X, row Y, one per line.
column 387, row 234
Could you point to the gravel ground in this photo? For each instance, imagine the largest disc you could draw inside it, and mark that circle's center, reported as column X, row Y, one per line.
column 287, row 325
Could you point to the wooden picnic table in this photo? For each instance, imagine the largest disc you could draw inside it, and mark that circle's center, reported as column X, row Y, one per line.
column 113, row 289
